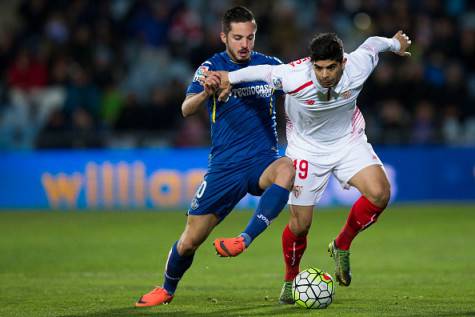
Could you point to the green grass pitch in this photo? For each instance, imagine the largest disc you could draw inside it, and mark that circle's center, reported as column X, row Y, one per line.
column 418, row 260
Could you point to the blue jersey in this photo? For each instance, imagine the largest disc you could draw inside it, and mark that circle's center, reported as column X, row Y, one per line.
column 244, row 126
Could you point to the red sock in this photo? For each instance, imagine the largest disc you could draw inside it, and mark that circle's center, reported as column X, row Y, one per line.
column 362, row 215
column 293, row 248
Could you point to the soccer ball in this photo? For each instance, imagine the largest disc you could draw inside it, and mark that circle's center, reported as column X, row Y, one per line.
column 313, row 288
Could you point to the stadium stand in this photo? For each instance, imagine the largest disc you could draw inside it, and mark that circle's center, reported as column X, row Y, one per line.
column 94, row 74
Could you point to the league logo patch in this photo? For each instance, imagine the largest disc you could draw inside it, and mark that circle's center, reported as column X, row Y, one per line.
column 194, row 203
column 297, row 190
column 277, row 82
column 199, row 74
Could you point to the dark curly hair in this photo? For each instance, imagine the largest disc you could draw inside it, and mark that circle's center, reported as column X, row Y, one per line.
column 236, row 14
column 326, row 46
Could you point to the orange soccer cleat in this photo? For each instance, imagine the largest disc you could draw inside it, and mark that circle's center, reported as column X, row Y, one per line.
column 227, row 247
column 158, row 296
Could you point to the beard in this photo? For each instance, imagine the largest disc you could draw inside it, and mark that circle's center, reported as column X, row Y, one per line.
column 236, row 56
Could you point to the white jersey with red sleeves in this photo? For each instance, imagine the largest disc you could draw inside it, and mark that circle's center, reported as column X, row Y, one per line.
column 322, row 120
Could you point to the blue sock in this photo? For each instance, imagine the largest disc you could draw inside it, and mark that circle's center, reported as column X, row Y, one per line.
column 270, row 205
column 175, row 268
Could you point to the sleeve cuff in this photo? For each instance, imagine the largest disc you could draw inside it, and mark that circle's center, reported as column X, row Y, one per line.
column 396, row 46
column 232, row 78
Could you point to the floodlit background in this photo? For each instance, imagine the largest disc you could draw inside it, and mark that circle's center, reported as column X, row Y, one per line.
column 113, row 73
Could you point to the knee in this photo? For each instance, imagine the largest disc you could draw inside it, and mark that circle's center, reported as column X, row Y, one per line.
column 187, row 246
column 286, row 173
column 380, row 195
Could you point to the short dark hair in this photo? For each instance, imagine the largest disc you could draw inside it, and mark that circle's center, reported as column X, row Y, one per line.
column 326, row 46
column 236, row 14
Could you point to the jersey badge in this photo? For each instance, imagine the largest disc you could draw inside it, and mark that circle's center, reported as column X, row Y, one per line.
column 346, row 94
column 200, row 73
column 277, row 82
column 297, row 190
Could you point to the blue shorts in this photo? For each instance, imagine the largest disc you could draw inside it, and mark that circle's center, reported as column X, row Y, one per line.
column 223, row 187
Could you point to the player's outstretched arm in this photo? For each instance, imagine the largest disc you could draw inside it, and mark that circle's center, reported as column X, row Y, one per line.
column 404, row 43
column 377, row 44
column 247, row 74
column 365, row 57
column 193, row 102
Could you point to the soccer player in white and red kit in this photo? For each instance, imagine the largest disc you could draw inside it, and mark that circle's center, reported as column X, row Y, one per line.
column 326, row 135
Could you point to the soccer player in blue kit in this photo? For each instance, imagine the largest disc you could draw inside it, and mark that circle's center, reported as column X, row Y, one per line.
column 243, row 159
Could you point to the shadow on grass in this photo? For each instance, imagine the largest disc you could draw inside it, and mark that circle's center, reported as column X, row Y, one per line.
column 263, row 310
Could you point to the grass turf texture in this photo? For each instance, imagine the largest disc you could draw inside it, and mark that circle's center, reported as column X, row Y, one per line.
column 417, row 261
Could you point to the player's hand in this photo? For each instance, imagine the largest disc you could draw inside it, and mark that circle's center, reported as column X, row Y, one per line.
column 404, row 42
column 224, row 94
column 224, row 84
column 211, row 82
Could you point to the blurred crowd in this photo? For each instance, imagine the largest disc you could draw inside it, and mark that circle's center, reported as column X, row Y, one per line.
column 80, row 74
